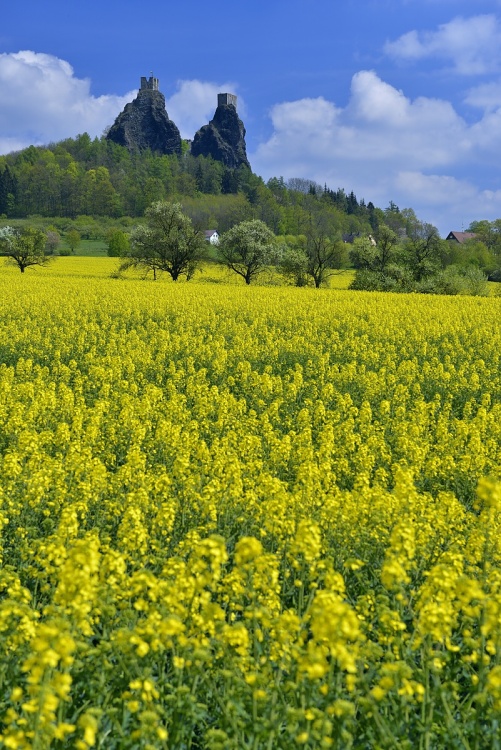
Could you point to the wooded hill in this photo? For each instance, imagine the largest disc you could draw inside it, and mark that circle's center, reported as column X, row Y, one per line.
column 80, row 176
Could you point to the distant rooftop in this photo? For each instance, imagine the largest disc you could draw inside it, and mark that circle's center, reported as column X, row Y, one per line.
column 461, row 236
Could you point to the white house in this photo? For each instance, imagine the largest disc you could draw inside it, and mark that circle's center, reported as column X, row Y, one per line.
column 211, row 236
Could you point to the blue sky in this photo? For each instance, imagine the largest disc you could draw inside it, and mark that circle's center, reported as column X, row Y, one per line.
column 395, row 99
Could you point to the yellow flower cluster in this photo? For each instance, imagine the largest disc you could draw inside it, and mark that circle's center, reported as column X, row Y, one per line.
column 241, row 517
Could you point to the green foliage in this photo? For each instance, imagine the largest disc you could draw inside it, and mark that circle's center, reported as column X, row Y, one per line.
column 219, row 212
column 375, row 254
column 167, row 242
column 53, row 240
column 421, row 250
column 293, row 263
column 247, row 248
column 73, row 239
column 395, row 278
column 8, row 190
column 398, row 278
column 81, row 177
column 324, row 249
column 419, row 261
column 488, row 232
column 118, row 243
column 24, row 247
column 455, row 280
column 476, row 282
column 206, row 173
column 488, row 236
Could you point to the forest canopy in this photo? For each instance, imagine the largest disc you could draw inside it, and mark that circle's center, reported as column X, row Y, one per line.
column 97, row 189
column 98, row 178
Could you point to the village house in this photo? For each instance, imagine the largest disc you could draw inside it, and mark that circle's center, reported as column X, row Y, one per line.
column 460, row 237
column 212, row 236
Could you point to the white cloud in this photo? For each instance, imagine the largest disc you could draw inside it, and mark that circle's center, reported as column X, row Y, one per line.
column 194, row 104
column 385, row 146
column 379, row 126
column 486, row 96
column 382, row 144
column 375, row 101
column 312, row 115
column 486, row 136
column 43, row 101
column 434, row 189
column 12, row 144
column 472, row 45
column 390, row 126
column 447, row 202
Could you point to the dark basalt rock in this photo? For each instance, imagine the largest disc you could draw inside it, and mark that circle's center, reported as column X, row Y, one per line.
column 144, row 123
column 223, row 138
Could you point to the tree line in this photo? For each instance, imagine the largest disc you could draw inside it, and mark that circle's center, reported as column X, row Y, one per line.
column 98, row 178
column 95, row 189
column 166, row 240
column 169, row 242
column 415, row 260
column 409, row 256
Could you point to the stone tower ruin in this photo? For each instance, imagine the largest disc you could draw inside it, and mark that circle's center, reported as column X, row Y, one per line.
column 223, row 139
column 223, row 99
column 145, row 124
column 149, row 84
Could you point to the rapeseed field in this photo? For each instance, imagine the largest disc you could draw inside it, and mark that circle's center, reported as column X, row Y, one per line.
column 246, row 518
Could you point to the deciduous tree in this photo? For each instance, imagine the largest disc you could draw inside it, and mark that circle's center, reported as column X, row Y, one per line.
column 73, row 239
column 294, row 261
column 422, row 249
column 167, row 242
column 324, row 251
column 247, row 248
column 118, row 243
column 375, row 255
column 25, row 247
column 53, row 240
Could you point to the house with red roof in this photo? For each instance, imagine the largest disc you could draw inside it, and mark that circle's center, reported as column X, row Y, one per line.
column 461, row 237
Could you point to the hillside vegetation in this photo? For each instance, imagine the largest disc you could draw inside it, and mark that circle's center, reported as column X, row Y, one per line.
column 95, row 191
column 98, row 178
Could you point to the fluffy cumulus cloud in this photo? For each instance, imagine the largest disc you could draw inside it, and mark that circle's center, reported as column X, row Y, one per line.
column 379, row 126
column 486, row 96
column 447, row 202
column 194, row 104
column 472, row 45
column 385, row 147
column 381, row 144
column 54, row 103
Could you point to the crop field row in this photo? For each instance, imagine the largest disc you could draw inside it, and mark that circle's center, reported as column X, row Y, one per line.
column 247, row 517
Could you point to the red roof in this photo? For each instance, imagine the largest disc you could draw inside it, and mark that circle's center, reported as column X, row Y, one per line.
column 461, row 236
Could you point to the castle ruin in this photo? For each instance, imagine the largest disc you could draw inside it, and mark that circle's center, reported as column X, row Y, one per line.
column 149, row 84
column 223, row 99
column 145, row 124
column 223, row 139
